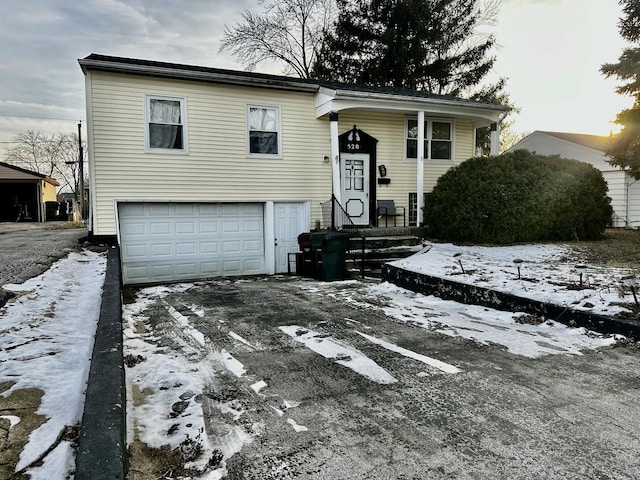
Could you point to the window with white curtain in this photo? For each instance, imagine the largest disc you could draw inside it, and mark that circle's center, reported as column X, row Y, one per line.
column 438, row 139
column 166, row 124
column 263, row 126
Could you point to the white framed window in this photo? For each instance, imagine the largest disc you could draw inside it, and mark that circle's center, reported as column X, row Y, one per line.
column 438, row 139
column 263, row 131
column 166, row 124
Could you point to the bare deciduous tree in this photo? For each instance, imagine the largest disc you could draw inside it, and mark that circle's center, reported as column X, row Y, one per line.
column 290, row 32
column 54, row 155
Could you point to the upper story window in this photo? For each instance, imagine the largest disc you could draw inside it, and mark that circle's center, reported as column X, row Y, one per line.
column 166, row 124
column 263, row 125
column 438, row 139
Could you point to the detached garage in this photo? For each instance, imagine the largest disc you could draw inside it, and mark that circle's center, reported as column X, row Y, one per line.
column 175, row 241
column 23, row 194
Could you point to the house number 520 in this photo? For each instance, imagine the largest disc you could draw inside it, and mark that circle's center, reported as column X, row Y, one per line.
column 353, row 146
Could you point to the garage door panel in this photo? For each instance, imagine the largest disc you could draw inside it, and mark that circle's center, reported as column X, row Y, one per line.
column 186, row 248
column 158, row 209
column 160, row 228
column 173, row 241
column 186, row 228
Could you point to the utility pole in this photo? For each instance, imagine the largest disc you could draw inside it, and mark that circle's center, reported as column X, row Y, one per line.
column 81, row 172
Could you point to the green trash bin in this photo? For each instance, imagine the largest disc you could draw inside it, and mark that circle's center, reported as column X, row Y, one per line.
column 331, row 249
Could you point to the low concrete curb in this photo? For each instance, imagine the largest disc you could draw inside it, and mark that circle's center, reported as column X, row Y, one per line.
column 471, row 294
column 102, row 442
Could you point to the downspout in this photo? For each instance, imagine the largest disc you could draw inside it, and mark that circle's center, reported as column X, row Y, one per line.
column 626, row 207
column 335, row 157
column 420, row 170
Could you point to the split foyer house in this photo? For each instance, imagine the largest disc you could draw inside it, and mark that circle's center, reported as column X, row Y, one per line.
column 203, row 172
column 624, row 190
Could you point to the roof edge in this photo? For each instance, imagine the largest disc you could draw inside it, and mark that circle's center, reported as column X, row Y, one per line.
column 187, row 72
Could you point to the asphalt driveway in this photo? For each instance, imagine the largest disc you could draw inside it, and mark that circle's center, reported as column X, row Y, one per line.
column 282, row 409
column 28, row 249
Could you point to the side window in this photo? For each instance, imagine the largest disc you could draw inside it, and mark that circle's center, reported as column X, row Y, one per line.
column 166, row 124
column 263, row 130
column 438, row 139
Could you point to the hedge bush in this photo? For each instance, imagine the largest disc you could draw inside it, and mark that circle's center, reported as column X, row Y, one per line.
column 518, row 197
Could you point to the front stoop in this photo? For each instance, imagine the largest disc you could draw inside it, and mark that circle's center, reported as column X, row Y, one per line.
column 381, row 246
column 473, row 295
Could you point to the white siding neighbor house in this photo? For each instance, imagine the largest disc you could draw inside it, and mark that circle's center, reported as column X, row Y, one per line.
column 202, row 172
column 624, row 190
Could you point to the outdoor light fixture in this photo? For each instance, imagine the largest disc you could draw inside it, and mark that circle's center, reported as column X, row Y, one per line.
column 580, row 267
column 518, row 262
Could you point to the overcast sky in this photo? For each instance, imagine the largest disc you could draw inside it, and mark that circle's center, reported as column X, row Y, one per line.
column 550, row 51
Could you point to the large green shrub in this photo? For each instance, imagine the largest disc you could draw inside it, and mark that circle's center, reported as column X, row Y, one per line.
column 518, row 197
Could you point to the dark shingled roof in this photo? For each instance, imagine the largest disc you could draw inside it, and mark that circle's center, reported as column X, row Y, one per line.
column 274, row 80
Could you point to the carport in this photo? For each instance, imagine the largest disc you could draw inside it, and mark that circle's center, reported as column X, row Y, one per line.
column 23, row 194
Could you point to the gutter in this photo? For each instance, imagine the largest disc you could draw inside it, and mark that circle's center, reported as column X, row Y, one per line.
column 194, row 75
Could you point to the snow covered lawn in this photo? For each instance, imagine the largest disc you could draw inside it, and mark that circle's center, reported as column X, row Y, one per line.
column 548, row 273
column 47, row 335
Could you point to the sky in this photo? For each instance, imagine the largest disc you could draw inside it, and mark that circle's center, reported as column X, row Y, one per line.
column 550, row 52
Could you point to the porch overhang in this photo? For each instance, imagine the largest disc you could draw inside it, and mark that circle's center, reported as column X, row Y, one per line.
column 329, row 100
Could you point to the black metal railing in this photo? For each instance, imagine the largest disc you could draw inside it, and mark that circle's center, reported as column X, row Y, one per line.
column 336, row 219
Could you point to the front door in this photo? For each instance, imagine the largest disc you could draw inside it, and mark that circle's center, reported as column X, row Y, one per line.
column 355, row 186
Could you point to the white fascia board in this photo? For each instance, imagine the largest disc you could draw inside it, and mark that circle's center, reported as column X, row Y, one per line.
column 335, row 100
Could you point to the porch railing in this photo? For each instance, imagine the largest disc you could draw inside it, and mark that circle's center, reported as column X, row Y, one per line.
column 336, row 219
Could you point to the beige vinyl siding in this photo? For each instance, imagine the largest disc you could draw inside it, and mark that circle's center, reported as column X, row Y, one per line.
column 389, row 130
column 217, row 167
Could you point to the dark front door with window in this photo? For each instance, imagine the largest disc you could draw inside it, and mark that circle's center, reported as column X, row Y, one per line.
column 358, row 175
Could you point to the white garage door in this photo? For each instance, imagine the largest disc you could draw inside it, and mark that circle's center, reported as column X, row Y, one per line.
column 182, row 241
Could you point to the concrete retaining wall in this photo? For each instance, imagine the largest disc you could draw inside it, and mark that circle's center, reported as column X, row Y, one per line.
column 471, row 294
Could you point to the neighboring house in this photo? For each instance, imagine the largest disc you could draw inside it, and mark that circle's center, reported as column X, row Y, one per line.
column 203, row 172
column 23, row 194
column 624, row 190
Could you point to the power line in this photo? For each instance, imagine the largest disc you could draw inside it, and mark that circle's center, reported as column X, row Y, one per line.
column 40, row 118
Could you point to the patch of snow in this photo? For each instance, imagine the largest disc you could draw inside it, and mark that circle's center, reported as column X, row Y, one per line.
column 432, row 362
column 296, row 427
column 340, row 352
column 484, row 325
column 13, row 420
column 548, row 273
column 256, row 387
column 237, row 337
column 229, row 362
column 48, row 334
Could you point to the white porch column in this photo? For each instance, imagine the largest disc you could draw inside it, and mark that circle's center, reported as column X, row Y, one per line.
column 495, row 139
column 335, row 156
column 420, row 169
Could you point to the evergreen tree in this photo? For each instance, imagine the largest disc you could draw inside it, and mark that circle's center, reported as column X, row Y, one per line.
column 624, row 148
column 427, row 45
